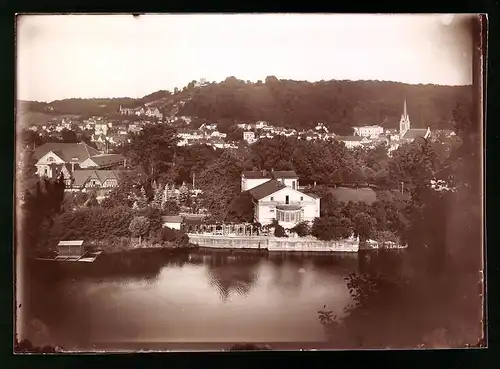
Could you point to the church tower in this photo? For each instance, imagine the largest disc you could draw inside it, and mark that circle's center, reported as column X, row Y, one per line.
column 404, row 123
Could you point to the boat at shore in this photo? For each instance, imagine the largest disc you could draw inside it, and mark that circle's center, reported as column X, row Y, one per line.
column 71, row 251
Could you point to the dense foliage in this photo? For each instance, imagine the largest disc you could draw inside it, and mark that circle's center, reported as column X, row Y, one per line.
column 339, row 104
column 443, row 273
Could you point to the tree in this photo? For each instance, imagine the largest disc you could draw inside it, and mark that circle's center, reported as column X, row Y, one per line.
column 364, row 225
column 183, row 194
column 158, row 197
column 279, row 231
column 142, row 200
column 153, row 149
column 220, row 183
column 302, row 229
column 241, row 209
column 331, row 228
column 69, row 136
column 139, row 226
column 168, row 195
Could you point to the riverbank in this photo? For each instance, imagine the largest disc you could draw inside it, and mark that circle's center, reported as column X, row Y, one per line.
column 375, row 245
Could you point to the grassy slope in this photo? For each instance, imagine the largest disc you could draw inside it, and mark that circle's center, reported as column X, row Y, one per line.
column 345, row 194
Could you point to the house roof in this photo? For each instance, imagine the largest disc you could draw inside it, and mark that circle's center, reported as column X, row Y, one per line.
column 266, row 189
column 81, row 176
column 349, row 138
column 70, row 243
column 107, row 159
column 415, row 133
column 172, row 219
column 66, row 151
column 256, row 174
column 284, row 174
column 313, row 195
column 276, row 174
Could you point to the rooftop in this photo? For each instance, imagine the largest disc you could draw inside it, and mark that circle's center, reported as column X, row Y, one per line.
column 67, row 151
column 415, row 133
column 107, row 159
column 276, row 174
column 266, row 189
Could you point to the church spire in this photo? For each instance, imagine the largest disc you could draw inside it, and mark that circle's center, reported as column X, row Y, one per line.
column 405, row 113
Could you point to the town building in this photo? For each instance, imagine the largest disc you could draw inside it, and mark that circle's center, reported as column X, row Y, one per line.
column 408, row 134
column 251, row 179
column 277, row 198
column 104, row 161
column 100, row 181
column 368, row 131
column 352, row 141
column 172, row 221
column 249, row 137
column 52, row 157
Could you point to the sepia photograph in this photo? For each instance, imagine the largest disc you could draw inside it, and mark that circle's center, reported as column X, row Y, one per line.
column 231, row 182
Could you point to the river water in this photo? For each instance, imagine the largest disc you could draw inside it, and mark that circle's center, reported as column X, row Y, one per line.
column 194, row 300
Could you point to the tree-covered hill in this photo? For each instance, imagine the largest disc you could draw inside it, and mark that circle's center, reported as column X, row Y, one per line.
column 295, row 104
column 338, row 104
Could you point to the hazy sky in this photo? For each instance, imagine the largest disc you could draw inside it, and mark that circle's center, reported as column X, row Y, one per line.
column 63, row 56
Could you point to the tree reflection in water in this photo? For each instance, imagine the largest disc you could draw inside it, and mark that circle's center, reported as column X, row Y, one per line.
column 396, row 307
column 232, row 273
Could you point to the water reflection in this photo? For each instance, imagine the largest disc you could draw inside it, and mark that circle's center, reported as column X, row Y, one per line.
column 200, row 296
column 231, row 273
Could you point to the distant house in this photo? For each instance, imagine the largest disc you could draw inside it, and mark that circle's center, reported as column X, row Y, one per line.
column 173, row 222
column 368, row 131
column 102, row 181
column 244, row 126
column 60, row 153
column 275, row 200
column 321, row 127
column 101, row 129
column 249, row 137
column 104, row 161
column 154, row 112
column 352, row 141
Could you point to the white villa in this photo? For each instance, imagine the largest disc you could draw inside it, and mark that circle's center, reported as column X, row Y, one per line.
column 275, row 195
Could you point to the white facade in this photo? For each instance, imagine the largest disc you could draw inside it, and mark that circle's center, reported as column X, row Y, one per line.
column 172, row 225
column 249, row 183
column 43, row 167
column 350, row 144
column 368, row 131
column 249, row 137
column 288, row 206
column 101, row 129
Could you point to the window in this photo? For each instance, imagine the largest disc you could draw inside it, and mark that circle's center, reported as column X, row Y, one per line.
column 293, row 185
column 272, row 198
column 271, row 211
column 50, row 158
column 301, row 198
column 45, row 171
column 287, row 199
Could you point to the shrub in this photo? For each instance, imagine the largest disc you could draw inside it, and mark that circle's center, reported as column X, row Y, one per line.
column 178, row 238
column 302, row 229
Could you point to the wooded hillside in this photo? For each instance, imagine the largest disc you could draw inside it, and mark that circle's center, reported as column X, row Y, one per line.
column 295, row 104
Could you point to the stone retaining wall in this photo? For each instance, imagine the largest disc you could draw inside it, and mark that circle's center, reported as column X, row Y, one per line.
column 273, row 243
